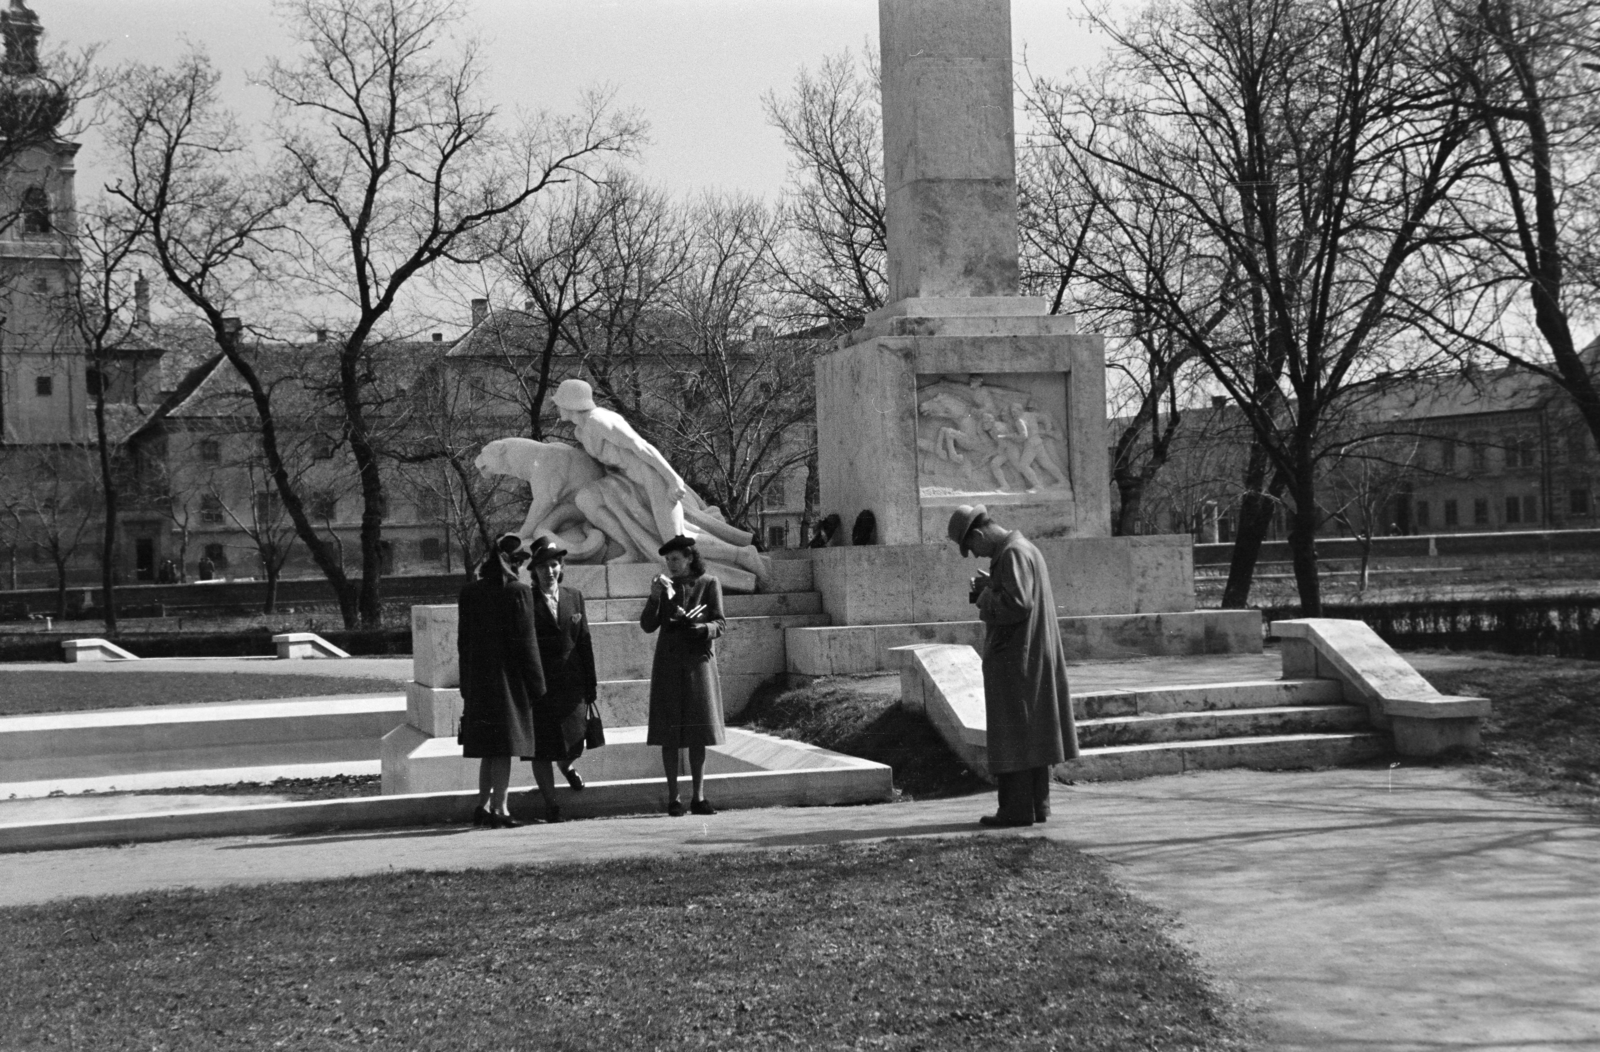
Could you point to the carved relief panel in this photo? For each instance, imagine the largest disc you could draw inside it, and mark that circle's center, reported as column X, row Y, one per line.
column 984, row 434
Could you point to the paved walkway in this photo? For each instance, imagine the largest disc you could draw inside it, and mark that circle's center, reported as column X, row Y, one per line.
column 1430, row 915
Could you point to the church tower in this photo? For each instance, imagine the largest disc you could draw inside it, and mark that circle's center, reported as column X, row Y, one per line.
column 43, row 397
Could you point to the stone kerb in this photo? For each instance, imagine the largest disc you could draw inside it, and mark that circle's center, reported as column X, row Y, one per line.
column 300, row 645
column 76, row 650
column 1422, row 721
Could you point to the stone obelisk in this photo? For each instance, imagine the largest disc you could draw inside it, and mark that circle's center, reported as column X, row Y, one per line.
column 959, row 390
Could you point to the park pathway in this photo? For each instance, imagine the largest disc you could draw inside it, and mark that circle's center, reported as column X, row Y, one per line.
column 1356, row 914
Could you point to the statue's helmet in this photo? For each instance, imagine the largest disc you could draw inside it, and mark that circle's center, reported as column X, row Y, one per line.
column 575, row 395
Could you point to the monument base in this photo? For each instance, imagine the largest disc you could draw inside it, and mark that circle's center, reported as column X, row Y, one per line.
column 922, row 583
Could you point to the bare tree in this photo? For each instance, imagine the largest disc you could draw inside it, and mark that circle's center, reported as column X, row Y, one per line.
column 833, row 259
column 1313, row 142
column 50, row 500
column 1529, row 73
column 400, row 165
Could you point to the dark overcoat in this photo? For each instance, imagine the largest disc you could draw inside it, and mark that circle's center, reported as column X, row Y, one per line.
column 1024, row 670
column 685, row 693
column 567, row 653
column 501, row 674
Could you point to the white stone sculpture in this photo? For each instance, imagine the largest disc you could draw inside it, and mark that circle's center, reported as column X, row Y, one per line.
column 978, row 431
column 616, row 499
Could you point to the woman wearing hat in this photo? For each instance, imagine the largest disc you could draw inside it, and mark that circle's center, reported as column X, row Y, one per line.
column 685, row 693
column 567, row 653
column 501, row 675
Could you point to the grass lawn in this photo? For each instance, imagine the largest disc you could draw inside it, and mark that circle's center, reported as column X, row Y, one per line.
column 835, row 715
column 24, row 691
column 980, row 943
column 1543, row 736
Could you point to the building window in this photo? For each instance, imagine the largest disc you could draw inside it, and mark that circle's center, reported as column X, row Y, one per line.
column 1530, row 510
column 1447, row 454
column 1452, row 516
column 1578, row 502
column 1578, row 445
column 322, row 448
column 430, row 505
column 777, row 537
column 217, row 554
column 1480, row 511
column 210, row 508
column 93, row 382
column 1480, row 457
column 432, row 549
column 35, row 211
column 210, row 450
column 269, row 508
column 44, row 386
column 1423, row 517
column 1513, row 511
column 1522, row 452
column 323, row 505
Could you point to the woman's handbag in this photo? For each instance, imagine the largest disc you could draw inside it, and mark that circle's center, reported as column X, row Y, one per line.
column 594, row 734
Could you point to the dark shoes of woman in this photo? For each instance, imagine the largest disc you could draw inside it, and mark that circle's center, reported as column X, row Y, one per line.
column 675, row 808
column 481, row 817
column 1004, row 821
column 552, row 813
column 574, row 779
column 499, row 821
column 700, row 807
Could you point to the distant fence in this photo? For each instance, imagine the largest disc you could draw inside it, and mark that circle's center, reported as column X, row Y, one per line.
column 46, row 646
column 1563, row 626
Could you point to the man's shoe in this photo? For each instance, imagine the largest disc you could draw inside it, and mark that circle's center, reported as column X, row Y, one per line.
column 1002, row 822
column 700, row 807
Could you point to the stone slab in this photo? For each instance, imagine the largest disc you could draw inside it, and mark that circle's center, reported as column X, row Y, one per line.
column 435, row 661
column 1227, row 722
column 302, row 645
column 75, row 651
column 920, row 583
column 856, row 649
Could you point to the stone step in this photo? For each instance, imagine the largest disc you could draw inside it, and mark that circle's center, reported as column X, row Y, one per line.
column 1206, row 697
column 1219, row 724
column 765, row 604
column 1264, row 753
column 751, row 646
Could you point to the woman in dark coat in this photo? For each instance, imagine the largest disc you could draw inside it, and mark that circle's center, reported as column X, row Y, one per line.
column 501, row 675
column 685, row 693
column 567, row 653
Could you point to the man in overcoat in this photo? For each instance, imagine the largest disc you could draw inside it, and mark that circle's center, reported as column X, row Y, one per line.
column 1024, row 671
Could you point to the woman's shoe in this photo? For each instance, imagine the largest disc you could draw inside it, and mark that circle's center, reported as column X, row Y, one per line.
column 552, row 813
column 700, row 807
column 499, row 821
column 481, row 817
column 675, row 808
column 574, row 779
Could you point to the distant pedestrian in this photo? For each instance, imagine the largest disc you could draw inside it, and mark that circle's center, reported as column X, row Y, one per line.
column 205, row 570
column 566, row 652
column 685, row 691
column 1030, row 726
column 168, row 574
column 501, row 675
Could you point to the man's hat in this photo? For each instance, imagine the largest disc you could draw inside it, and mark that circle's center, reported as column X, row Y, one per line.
column 679, row 543
column 963, row 521
column 544, row 549
column 575, row 394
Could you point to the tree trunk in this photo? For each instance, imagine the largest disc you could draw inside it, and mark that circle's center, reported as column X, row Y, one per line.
column 1303, row 548
column 61, row 590
column 271, row 603
column 1255, row 517
column 108, row 541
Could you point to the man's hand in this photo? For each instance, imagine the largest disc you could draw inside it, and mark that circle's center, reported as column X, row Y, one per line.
column 979, row 583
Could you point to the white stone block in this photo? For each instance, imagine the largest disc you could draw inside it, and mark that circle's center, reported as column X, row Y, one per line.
column 78, row 650
column 436, row 711
column 435, row 661
column 300, row 645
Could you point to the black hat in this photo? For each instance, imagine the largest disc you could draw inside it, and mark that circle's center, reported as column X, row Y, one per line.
column 679, row 543
column 544, row 549
column 963, row 521
column 509, row 545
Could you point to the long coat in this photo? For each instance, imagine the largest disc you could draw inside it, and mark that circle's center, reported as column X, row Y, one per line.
column 501, row 674
column 567, row 653
column 1024, row 670
column 685, row 693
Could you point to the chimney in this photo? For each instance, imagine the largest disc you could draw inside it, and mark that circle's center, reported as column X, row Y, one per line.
column 438, row 337
column 1219, row 401
column 528, row 306
column 322, row 335
column 480, row 311
column 230, row 330
column 141, row 300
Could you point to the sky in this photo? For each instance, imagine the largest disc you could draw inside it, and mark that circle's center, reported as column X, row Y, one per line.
column 696, row 69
